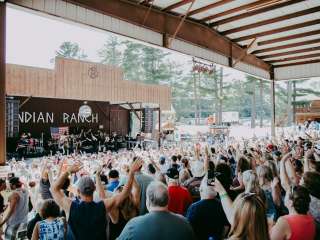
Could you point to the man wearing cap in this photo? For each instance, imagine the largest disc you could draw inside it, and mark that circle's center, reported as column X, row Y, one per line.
column 88, row 219
column 179, row 197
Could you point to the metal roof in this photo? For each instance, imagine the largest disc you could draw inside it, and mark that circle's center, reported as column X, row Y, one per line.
column 282, row 32
column 272, row 39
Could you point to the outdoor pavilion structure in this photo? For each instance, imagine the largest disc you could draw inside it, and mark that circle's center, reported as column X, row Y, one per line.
column 271, row 39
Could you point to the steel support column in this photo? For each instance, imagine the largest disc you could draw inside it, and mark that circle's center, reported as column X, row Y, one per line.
column 273, row 105
column 159, row 119
column 2, row 83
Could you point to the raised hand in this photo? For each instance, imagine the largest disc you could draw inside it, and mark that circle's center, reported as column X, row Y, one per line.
column 136, row 165
column 76, row 167
column 218, row 186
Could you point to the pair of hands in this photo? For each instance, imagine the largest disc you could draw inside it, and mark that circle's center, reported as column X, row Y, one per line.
column 135, row 166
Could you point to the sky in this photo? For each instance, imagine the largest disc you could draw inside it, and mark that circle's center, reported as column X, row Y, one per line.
column 32, row 40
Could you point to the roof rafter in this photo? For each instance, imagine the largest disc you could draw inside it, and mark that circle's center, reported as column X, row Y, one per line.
column 294, row 58
column 254, row 12
column 207, row 7
column 297, row 44
column 278, row 30
column 272, row 20
column 290, row 37
column 288, row 53
column 297, row 63
column 234, row 10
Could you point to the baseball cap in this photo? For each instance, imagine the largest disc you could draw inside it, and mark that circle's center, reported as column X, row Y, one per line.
column 172, row 173
column 86, row 186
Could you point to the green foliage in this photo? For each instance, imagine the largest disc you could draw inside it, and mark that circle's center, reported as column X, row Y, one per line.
column 155, row 66
column 70, row 50
column 110, row 53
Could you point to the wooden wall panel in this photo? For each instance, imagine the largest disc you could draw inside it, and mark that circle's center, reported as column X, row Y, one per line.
column 71, row 79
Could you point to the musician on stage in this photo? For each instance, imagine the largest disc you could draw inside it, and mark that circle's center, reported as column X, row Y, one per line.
column 22, row 145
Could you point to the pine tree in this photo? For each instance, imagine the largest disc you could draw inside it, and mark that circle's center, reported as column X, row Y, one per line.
column 70, row 50
column 110, row 53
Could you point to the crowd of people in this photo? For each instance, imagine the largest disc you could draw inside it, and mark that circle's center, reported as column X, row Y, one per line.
column 247, row 189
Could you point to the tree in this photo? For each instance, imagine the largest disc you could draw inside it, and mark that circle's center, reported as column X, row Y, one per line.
column 300, row 93
column 155, row 68
column 70, row 50
column 110, row 53
column 131, row 62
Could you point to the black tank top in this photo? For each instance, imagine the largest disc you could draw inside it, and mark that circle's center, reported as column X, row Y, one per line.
column 116, row 229
column 88, row 220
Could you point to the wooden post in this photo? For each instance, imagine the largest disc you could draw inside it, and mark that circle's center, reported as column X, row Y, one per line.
column 2, row 83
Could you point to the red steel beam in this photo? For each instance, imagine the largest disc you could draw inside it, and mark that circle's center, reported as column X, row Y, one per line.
column 288, row 53
column 291, row 45
column 165, row 23
column 278, row 30
column 315, row 55
column 234, row 10
column 255, row 12
column 290, row 37
column 272, row 20
column 297, row 63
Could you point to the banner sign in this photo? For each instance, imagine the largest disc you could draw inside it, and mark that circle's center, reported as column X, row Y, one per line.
column 50, row 117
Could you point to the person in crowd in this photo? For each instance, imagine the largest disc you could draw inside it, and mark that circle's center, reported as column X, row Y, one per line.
column 119, row 216
column 113, row 179
column 36, row 218
column 151, row 170
column 224, row 172
column 242, row 165
column 311, row 181
column 160, row 222
column 179, row 197
column 193, row 184
column 17, row 216
column 143, row 181
column 249, row 222
column 298, row 224
column 206, row 216
column 186, row 166
column 272, row 191
column 174, row 162
column 88, row 219
column 51, row 227
column 3, row 187
column 163, row 164
column 44, row 183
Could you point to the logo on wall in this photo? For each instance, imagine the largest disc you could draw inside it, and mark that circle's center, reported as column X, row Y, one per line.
column 93, row 72
column 85, row 111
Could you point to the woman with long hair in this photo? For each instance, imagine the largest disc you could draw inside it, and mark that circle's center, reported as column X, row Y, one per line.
column 298, row 224
column 247, row 215
column 250, row 222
